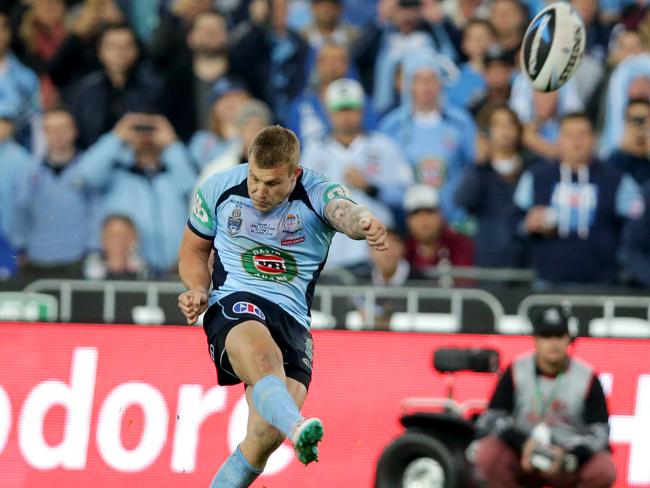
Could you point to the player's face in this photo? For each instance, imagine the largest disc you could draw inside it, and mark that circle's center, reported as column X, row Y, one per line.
column 552, row 350
column 268, row 187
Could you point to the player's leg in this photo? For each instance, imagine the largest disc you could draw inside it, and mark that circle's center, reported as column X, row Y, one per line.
column 247, row 462
column 257, row 361
column 261, row 437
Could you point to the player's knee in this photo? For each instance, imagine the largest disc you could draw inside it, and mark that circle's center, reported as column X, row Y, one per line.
column 267, row 362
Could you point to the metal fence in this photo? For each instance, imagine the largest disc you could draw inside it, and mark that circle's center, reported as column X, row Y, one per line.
column 329, row 297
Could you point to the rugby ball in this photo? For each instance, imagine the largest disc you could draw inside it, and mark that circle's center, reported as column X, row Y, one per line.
column 552, row 46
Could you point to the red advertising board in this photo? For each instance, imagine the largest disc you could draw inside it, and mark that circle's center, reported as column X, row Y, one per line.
column 126, row 406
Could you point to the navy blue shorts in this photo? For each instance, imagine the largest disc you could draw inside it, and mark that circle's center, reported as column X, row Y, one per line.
column 293, row 339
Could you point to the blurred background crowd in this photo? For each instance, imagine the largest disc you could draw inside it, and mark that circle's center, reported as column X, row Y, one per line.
column 112, row 112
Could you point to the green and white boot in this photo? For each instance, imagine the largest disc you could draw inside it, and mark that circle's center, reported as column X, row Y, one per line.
column 306, row 436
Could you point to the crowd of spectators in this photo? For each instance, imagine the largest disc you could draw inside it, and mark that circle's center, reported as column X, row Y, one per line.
column 112, row 112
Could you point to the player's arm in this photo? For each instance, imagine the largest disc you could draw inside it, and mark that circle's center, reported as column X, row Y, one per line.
column 356, row 222
column 193, row 267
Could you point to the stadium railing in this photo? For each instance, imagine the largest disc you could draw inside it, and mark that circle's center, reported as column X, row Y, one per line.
column 154, row 302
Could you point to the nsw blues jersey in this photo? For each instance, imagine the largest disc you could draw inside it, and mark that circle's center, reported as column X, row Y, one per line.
column 278, row 254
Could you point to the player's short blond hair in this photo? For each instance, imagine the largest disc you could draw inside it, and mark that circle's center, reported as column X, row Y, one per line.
column 275, row 146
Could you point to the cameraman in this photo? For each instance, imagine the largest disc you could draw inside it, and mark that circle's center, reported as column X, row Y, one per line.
column 547, row 422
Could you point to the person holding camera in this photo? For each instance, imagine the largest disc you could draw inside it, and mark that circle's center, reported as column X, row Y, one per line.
column 547, row 421
column 633, row 154
column 144, row 173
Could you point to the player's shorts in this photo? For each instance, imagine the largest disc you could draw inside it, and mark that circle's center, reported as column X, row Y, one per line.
column 293, row 339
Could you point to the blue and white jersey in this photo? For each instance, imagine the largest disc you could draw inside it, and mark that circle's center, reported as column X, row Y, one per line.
column 278, row 254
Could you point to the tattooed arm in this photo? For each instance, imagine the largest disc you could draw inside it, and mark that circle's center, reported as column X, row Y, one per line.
column 356, row 222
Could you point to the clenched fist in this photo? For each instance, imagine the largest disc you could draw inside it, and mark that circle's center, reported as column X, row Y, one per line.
column 193, row 303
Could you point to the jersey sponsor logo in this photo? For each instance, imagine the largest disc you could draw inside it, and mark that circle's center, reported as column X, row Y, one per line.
column 292, row 223
column 334, row 191
column 262, row 229
column 201, row 211
column 250, row 308
column 293, row 242
column 234, row 221
column 268, row 263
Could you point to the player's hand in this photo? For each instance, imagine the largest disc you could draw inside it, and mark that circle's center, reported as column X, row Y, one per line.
column 374, row 231
column 193, row 303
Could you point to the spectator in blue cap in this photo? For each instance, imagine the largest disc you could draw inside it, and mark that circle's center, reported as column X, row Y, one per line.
column 224, row 101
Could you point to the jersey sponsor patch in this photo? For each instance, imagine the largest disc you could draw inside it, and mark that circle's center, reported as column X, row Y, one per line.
column 291, row 223
column 293, row 242
column 201, row 211
column 234, row 221
column 268, row 263
column 248, row 307
column 334, row 191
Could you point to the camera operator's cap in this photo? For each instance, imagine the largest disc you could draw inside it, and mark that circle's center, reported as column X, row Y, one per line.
column 343, row 94
column 224, row 86
column 553, row 321
column 421, row 197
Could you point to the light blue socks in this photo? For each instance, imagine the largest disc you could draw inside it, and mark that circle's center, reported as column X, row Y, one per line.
column 236, row 472
column 275, row 404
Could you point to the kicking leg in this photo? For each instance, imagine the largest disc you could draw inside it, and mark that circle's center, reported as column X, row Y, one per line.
column 257, row 360
column 247, row 462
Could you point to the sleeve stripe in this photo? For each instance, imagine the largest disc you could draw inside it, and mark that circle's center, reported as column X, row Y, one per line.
column 198, row 232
